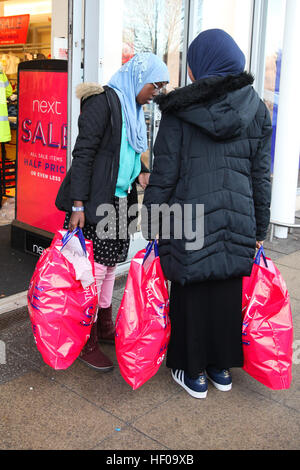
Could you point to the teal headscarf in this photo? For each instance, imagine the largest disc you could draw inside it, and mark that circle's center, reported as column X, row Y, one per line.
column 143, row 68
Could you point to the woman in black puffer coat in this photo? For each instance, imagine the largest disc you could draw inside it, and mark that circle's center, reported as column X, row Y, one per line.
column 212, row 151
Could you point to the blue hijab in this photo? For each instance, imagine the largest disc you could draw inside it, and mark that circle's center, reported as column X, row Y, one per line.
column 215, row 53
column 143, row 68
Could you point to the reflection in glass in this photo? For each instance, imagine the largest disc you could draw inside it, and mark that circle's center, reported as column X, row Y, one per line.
column 233, row 16
column 274, row 41
column 154, row 26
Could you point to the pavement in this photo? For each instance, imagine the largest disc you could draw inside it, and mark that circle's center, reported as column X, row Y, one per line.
column 82, row 409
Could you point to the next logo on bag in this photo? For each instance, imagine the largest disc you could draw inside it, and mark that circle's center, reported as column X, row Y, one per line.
column 161, row 308
column 162, row 353
column 89, row 316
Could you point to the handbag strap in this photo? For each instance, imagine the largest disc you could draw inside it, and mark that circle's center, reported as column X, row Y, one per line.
column 67, row 237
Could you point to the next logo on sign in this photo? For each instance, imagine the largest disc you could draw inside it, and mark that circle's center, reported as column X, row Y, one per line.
column 46, row 106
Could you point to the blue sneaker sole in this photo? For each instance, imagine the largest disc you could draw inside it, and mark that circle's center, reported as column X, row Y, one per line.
column 189, row 390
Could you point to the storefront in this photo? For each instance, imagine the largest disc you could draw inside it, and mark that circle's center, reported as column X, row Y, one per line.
column 93, row 39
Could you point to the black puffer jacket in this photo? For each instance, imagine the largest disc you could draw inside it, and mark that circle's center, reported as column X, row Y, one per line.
column 213, row 148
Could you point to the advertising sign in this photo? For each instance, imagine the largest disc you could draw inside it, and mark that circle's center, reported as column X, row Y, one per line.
column 13, row 29
column 42, row 144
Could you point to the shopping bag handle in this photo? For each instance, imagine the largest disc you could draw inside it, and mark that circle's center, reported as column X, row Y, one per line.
column 67, row 237
column 261, row 253
column 149, row 249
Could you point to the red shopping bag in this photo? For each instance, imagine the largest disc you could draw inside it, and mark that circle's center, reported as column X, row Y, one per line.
column 267, row 325
column 142, row 326
column 61, row 310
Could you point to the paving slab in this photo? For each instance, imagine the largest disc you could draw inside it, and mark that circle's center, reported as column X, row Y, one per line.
column 295, row 306
column 81, row 408
column 15, row 366
column 110, row 391
column 291, row 261
column 20, row 344
column 239, row 419
column 38, row 413
column 128, row 437
column 292, row 279
column 285, row 245
column 274, row 255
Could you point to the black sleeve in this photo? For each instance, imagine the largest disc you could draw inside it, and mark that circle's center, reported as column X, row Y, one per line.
column 166, row 167
column 92, row 123
column 261, row 182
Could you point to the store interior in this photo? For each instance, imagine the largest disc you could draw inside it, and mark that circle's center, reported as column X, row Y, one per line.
column 41, row 43
column 36, row 46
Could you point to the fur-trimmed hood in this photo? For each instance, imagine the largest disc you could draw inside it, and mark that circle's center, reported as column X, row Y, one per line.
column 85, row 90
column 202, row 91
column 221, row 106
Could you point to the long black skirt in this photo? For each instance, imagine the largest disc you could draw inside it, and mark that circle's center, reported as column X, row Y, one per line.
column 206, row 326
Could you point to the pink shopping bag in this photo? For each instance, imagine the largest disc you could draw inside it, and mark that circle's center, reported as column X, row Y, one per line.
column 61, row 308
column 142, row 326
column 267, row 325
